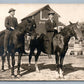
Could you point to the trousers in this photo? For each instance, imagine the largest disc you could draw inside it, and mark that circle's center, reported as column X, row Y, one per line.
column 6, row 39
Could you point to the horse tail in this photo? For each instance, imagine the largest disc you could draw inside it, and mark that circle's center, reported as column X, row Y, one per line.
column 2, row 32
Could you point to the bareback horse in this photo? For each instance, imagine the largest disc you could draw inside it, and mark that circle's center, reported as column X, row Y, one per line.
column 60, row 45
column 16, row 43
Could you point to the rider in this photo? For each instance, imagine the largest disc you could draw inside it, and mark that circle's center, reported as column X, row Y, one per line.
column 10, row 24
column 50, row 26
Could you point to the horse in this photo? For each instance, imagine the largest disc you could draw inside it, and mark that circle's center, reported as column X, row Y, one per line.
column 60, row 46
column 15, row 44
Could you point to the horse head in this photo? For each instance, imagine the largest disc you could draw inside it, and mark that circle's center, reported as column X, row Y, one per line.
column 28, row 25
column 75, row 31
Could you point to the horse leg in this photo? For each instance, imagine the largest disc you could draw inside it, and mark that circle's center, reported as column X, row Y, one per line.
column 19, row 63
column 8, row 59
column 36, row 59
column 61, row 67
column 13, row 63
column 61, row 62
column 30, row 55
column 3, row 60
column 57, row 58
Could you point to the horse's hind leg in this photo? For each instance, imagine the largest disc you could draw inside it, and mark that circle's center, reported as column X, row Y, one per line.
column 19, row 63
column 8, row 59
column 36, row 59
column 3, row 60
column 57, row 61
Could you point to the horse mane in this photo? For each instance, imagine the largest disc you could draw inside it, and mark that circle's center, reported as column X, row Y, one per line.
column 65, row 30
column 21, row 25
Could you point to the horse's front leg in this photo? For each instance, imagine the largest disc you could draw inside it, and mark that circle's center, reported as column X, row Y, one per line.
column 30, row 55
column 8, row 59
column 62, row 55
column 13, row 64
column 19, row 63
column 59, row 66
column 36, row 60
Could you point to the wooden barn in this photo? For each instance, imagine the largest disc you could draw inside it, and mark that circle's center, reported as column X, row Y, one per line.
column 40, row 16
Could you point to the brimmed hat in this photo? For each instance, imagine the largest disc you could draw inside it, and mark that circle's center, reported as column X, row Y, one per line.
column 51, row 12
column 11, row 9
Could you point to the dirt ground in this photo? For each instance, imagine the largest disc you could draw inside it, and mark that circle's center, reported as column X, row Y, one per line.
column 73, row 69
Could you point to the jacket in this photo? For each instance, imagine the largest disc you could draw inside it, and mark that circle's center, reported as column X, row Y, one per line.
column 10, row 22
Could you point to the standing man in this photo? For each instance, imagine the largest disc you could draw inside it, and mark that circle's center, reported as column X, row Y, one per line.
column 10, row 24
column 50, row 25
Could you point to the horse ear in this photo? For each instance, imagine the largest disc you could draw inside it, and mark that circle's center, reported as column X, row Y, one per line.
column 77, row 23
column 70, row 22
column 29, row 20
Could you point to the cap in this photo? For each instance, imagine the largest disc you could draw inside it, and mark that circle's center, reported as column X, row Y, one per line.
column 10, row 10
column 51, row 12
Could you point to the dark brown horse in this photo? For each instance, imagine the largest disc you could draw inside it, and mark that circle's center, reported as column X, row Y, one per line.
column 16, row 44
column 60, row 45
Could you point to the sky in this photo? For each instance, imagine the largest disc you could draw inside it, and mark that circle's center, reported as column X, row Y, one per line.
column 68, row 12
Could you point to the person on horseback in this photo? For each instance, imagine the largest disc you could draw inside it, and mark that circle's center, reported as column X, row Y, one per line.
column 51, row 27
column 10, row 24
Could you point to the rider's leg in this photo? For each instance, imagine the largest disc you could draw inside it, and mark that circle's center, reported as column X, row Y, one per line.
column 6, row 37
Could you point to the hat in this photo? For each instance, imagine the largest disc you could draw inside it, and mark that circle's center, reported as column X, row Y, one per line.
column 51, row 12
column 10, row 10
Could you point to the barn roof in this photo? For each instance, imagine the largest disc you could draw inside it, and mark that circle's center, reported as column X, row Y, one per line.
column 37, row 11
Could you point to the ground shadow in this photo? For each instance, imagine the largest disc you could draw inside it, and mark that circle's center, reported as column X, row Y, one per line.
column 68, row 68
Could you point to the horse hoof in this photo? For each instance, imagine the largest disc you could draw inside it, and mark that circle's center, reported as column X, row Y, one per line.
column 13, row 76
column 37, row 71
column 2, row 70
column 29, row 65
column 18, row 75
column 61, row 76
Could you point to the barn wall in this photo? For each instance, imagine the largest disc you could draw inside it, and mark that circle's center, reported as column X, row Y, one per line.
column 41, row 23
column 37, row 19
column 45, row 13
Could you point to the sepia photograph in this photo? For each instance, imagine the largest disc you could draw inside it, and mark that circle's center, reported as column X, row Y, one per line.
column 41, row 42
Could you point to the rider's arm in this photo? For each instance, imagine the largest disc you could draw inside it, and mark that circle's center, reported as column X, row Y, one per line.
column 16, row 23
column 7, row 23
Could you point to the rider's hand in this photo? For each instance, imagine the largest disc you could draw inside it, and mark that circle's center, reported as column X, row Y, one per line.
column 12, row 28
column 55, row 28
